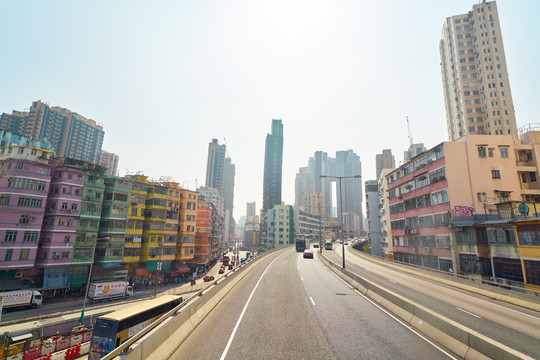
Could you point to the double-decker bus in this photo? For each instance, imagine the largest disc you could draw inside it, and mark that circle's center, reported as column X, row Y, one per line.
column 300, row 243
column 112, row 329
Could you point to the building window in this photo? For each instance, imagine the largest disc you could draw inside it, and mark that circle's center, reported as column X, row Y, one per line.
column 23, row 255
column 9, row 254
column 481, row 196
column 30, row 236
column 64, row 206
column 56, row 255
column 4, row 199
column 490, row 152
column 532, row 272
column 482, row 151
column 504, row 152
column 10, row 236
column 495, row 174
column 65, row 255
column 532, row 175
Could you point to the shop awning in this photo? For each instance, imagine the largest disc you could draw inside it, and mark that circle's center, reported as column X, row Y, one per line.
column 142, row 271
column 182, row 269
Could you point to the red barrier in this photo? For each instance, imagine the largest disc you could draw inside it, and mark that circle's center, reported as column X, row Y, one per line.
column 62, row 343
column 32, row 354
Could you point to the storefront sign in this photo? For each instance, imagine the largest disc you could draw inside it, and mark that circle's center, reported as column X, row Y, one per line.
column 120, row 274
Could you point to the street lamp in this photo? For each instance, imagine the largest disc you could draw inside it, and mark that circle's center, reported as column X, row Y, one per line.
column 81, row 319
column 341, row 207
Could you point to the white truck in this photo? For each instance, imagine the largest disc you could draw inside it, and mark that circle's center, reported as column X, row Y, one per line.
column 20, row 299
column 109, row 290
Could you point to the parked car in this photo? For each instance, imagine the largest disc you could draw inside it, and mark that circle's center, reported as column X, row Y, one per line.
column 308, row 254
column 316, row 246
column 208, row 278
column 221, row 270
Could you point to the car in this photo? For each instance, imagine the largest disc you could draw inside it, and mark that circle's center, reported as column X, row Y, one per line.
column 308, row 254
column 221, row 270
column 346, row 243
column 208, row 278
column 316, row 246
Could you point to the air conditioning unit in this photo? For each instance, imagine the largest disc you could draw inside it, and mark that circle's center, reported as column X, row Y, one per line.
column 503, row 281
column 427, row 249
column 19, row 274
column 413, row 249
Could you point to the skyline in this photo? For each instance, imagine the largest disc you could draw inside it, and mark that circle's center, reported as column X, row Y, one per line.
column 159, row 76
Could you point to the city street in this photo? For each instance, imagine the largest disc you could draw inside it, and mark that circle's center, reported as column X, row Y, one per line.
column 294, row 308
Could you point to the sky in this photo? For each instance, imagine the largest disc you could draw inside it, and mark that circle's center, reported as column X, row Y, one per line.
column 164, row 78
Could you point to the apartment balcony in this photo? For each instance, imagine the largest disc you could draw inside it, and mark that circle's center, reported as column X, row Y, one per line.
column 130, row 259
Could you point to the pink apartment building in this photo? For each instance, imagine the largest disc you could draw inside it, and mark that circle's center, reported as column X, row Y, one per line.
column 24, row 185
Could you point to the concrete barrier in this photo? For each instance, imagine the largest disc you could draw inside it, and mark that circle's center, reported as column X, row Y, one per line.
column 463, row 341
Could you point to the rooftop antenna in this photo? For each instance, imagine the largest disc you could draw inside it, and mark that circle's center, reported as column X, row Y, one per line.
column 409, row 131
column 195, row 184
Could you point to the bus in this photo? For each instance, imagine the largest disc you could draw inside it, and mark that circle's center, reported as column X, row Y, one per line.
column 300, row 243
column 113, row 329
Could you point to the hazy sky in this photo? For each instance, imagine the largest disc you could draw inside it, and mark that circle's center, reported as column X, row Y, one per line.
column 166, row 77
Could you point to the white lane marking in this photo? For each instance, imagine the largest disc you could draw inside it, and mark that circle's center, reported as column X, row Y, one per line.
column 407, row 326
column 244, row 310
column 470, row 313
column 313, row 302
column 392, row 281
column 302, row 278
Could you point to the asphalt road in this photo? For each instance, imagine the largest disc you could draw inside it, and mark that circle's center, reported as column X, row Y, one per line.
column 516, row 327
column 294, row 308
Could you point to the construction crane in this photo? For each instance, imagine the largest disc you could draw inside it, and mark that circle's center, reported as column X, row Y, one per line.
column 409, row 132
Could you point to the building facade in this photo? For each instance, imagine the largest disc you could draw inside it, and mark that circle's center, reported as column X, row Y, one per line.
column 442, row 201
column 70, row 134
column 385, row 160
column 273, row 163
column 277, row 228
column 24, row 186
column 110, row 162
column 476, row 86
column 373, row 217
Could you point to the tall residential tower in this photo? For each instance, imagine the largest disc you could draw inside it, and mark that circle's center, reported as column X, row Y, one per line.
column 70, row 134
column 273, row 160
column 475, row 77
column 220, row 173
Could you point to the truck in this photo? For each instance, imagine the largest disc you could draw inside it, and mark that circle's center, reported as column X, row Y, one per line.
column 21, row 299
column 300, row 243
column 328, row 245
column 109, row 290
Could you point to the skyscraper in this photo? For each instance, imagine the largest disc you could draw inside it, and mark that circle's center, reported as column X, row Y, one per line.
column 215, row 164
column 251, row 209
column 309, row 183
column 273, row 160
column 70, row 134
column 384, row 161
column 220, row 173
column 475, row 77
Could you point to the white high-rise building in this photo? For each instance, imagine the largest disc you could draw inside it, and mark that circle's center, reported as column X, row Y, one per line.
column 475, row 77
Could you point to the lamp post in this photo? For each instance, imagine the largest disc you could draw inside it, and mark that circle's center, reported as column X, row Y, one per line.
column 81, row 319
column 341, row 208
